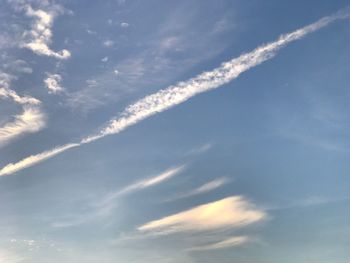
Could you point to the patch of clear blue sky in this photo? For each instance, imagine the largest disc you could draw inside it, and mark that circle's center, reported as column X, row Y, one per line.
column 279, row 131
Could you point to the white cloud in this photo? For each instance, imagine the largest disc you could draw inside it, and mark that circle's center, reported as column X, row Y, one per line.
column 105, row 59
column 31, row 120
column 34, row 159
column 146, row 183
column 181, row 92
column 207, row 187
column 39, row 37
column 230, row 242
column 6, row 92
column 52, row 82
column 231, row 212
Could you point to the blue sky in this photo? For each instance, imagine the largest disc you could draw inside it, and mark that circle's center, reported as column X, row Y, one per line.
column 174, row 131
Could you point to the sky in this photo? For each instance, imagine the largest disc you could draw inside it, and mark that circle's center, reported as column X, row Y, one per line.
column 189, row 131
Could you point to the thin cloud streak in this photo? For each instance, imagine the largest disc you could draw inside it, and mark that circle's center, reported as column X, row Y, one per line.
column 30, row 121
column 205, row 188
column 174, row 95
column 146, row 183
column 230, row 242
column 34, row 159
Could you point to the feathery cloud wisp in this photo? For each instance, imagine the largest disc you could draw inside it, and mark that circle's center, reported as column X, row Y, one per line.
column 146, row 183
column 230, row 242
column 205, row 188
column 40, row 35
column 174, row 95
column 230, row 212
column 31, row 120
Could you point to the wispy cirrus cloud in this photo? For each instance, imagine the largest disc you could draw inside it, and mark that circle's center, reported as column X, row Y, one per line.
column 107, row 203
column 205, row 188
column 146, row 183
column 31, row 120
column 226, row 243
column 183, row 91
column 230, row 212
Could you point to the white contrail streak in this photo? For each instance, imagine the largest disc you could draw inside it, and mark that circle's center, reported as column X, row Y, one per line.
column 174, row 95
column 34, row 159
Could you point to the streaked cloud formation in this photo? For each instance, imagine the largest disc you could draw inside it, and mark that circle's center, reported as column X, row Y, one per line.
column 34, row 159
column 207, row 187
column 31, row 120
column 106, row 205
column 145, row 183
column 231, row 212
column 181, row 92
column 230, row 242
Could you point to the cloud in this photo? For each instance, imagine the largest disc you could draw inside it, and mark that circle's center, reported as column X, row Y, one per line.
column 146, row 183
column 52, row 82
column 34, row 159
column 39, row 37
column 231, row 212
column 230, row 242
column 207, row 187
column 107, row 204
column 6, row 92
column 181, row 92
column 31, row 120
column 228, row 71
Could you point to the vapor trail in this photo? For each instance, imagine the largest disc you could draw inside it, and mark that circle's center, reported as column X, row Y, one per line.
column 181, row 92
